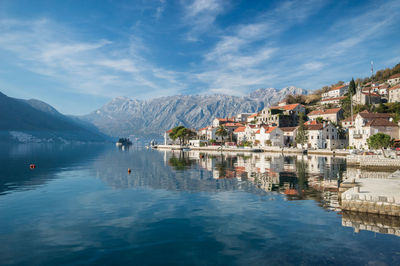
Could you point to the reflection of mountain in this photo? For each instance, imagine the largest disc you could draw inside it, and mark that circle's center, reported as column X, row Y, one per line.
column 371, row 222
column 49, row 159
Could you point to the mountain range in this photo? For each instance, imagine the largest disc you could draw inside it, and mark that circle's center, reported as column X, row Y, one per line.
column 36, row 121
column 124, row 116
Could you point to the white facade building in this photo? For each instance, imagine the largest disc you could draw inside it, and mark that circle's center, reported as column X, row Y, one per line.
column 269, row 136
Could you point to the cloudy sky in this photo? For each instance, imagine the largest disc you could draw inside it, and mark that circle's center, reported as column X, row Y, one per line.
column 77, row 55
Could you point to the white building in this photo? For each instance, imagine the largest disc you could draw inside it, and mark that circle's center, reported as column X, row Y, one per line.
column 394, row 94
column 220, row 121
column 393, row 80
column 324, row 136
column 334, row 101
column 336, row 92
column 269, row 136
column 367, row 124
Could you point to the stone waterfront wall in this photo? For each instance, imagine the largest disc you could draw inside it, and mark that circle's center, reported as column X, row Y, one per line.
column 370, row 204
column 373, row 161
column 371, row 222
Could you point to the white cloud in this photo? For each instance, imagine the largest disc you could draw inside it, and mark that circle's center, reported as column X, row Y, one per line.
column 97, row 67
column 200, row 15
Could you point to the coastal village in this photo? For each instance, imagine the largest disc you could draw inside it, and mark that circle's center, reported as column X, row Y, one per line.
column 322, row 124
column 357, row 121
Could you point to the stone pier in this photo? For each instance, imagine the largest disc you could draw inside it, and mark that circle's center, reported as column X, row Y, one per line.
column 378, row 196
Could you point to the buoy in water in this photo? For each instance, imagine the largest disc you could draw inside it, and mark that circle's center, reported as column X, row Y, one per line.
column 32, row 166
column 129, row 170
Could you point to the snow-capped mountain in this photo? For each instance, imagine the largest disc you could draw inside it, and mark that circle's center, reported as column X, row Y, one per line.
column 124, row 116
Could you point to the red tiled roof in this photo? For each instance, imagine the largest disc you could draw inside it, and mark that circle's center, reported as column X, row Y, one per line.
column 311, row 122
column 337, row 88
column 332, row 99
column 233, row 125
column 287, row 107
column 395, row 76
column 240, row 129
column 380, row 122
column 366, row 115
column 372, row 94
column 395, row 87
column 204, row 128
column 253, row 115
column 288, row 129
column 315, row 127
column 169, row 131
column 325, row 112
column 226, row 119
column 267, row 129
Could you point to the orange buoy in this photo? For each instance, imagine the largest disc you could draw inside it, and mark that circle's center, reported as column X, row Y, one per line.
column 32, row 166
column 129, row 170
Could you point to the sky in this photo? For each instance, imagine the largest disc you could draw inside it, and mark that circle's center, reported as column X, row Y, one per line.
column 78, row 55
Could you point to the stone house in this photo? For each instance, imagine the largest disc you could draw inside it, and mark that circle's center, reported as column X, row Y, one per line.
column 333, row 115
column 393, row 80
column 289, row 136
column 334, row 101
column 281, row 116
column 365, row 97
column 394, row 94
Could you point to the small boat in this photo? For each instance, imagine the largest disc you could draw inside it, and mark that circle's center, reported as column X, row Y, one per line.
column 186, row 149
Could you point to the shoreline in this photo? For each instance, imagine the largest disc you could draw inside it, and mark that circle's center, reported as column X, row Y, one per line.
column 256, row 150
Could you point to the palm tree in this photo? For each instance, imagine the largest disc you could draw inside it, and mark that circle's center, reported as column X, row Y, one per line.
column 221, row 131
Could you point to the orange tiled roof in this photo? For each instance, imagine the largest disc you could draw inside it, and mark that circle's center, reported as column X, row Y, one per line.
column 395, row 87
column 325, row 112
column 253, row 115
column 394, row 76
column 287, row 107
column 240, row 129
column 337, row 88
column 380, row 122
column 311, row 122
column 315, row 127
column 288, row 129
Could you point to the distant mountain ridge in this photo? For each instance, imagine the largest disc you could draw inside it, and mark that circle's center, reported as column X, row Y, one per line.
column 36, row 121
column 124, row 116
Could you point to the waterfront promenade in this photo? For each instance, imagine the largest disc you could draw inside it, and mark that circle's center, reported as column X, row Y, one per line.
column 284, row 150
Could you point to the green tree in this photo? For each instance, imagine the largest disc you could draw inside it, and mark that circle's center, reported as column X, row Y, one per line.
column 221, row 131
column 352, row 87
column 380, row 141
column 319, row 119
column 302, row 135
column 179, row 132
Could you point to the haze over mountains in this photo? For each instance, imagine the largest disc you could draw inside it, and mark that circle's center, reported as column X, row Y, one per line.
column 124, row 116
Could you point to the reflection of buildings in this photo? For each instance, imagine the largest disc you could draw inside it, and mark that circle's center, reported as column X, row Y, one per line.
column 275, row 172
column 371, row 222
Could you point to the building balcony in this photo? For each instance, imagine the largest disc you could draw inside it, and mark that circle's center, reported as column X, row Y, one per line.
column 357, row 136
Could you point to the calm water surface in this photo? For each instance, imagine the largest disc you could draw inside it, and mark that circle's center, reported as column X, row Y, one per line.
column 80, row 206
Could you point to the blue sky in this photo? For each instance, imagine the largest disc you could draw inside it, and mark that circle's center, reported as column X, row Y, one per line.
column 77, row 55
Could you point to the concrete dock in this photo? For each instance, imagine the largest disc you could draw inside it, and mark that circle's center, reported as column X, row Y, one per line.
column 370, row 195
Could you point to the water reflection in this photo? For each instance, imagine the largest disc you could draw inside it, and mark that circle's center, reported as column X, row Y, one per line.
column 82, row 206
column 15, row 173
